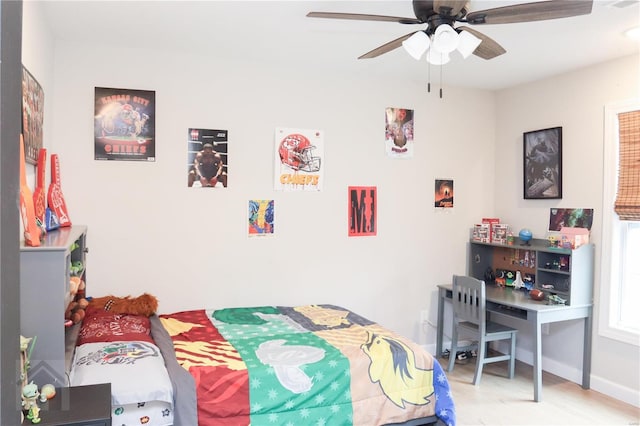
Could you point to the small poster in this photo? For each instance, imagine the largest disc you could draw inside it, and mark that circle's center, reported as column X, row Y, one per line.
column 399, row 132
column 298, row 159
column 124, row 124
column 32, row 116
column 362, row 211
column 261, row 218
column 207, row 159
column 444, row 193
column 572, row 218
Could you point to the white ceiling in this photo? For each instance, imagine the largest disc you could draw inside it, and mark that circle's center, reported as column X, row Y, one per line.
column 265, row 32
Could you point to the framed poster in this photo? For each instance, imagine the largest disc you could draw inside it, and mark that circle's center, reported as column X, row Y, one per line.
column 542, row 162
column 32, row 116
column 362, row 211
column 207, row 158
column 124, row 124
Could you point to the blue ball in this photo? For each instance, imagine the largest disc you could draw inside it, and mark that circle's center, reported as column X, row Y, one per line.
column 525, row 235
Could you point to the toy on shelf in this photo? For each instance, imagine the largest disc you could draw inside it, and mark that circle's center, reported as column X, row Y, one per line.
column 30, row 402
column 47, row 392
column 525, row 236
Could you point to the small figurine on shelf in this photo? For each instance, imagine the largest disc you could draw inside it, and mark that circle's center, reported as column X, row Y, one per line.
column 518, row 283
column 30, row 402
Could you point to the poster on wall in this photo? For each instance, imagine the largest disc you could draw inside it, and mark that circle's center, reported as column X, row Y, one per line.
column 573, row 218
column 444, row 193
column 32, row 116
column 298, row 159
column 124, row 124
column 207, row 158
column 261, row 218
column 399, row 132
column 362, row 211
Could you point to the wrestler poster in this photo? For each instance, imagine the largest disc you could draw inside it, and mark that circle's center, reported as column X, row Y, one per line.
column 362, row 211
column 124, row 124
column 261, row 215
column 399, row 132
column 32, row 116
column 298, row 160
column 444, row 193
column 207, row 160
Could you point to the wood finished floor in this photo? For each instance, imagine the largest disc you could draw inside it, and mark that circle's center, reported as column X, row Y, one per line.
column 499, row 401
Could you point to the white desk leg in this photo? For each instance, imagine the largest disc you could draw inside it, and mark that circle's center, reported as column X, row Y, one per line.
column 442, row 293
column 537, row 359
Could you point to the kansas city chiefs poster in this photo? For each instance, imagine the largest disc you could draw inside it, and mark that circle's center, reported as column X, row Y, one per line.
column 298, row 159
column 124, row 124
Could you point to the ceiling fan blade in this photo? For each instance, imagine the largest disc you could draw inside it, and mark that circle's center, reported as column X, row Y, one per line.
column 448, row 7
column 488, row 48
column 527, row 12
column 387, row 47
column 363, row 17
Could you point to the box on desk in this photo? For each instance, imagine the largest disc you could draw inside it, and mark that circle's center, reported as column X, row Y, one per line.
column 481, row 233
column 491, row 221
column 572, row 238
column 499, row 233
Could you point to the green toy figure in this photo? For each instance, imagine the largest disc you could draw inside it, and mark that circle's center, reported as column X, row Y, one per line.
column 30, row 402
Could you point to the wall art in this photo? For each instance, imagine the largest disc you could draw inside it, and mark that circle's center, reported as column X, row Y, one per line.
column 207, row 158
column 542, row 160
column 124, row 124
column 32, row 116
column 298, row 160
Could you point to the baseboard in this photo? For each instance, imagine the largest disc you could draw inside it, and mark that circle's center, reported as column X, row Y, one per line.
column 567, row 372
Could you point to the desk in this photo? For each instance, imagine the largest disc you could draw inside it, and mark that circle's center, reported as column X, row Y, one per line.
column 516, row 303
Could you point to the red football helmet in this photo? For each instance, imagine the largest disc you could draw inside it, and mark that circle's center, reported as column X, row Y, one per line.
column 296, row 152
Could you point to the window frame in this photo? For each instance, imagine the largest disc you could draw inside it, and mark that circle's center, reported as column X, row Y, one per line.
column 613, row 233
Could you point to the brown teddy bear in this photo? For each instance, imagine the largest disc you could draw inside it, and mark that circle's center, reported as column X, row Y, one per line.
column 144, row 304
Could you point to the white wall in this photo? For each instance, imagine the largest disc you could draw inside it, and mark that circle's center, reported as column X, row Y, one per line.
column 189, row 246
column 576, row 102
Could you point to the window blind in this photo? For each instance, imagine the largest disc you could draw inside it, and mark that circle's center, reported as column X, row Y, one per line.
column 627, row 203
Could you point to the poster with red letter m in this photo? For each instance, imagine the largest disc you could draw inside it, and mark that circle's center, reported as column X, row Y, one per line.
column 362, row 211
column 124, row 124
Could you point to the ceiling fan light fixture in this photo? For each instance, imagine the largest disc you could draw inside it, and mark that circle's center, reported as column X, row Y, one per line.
column 435, row 57
column 468, row 43
column 445, row 39
column 417, row 44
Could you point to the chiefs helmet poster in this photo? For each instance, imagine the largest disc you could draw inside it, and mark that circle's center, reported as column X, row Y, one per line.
column 124, row 124
column 298, row 159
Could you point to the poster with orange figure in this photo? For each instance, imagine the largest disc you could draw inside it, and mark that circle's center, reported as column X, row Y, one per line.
column 444, row 193
column 261, row 218
column 362, row 211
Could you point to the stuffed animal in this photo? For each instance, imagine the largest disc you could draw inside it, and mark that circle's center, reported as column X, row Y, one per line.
column 76, row 310
column 144, row 304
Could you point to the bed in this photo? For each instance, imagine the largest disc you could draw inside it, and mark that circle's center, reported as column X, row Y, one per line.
column 304, row 365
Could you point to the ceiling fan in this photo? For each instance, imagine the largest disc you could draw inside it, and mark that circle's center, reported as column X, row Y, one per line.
column 435, row 13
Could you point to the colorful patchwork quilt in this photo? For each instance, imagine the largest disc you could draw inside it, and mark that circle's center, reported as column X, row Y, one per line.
column 306, row 365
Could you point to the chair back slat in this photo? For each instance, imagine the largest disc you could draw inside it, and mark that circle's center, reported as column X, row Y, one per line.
column 469, row 300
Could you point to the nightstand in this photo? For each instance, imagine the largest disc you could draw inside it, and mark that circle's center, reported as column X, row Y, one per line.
column 77, row 406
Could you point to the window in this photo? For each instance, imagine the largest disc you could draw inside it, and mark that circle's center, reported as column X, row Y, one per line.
column 620, row 279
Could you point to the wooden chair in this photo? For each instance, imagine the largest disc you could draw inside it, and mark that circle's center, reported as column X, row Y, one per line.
column 469, row 314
